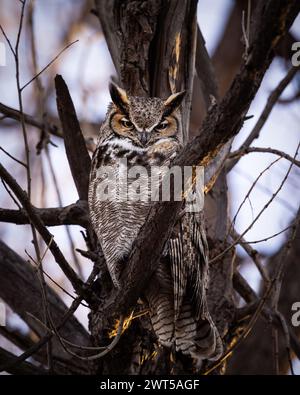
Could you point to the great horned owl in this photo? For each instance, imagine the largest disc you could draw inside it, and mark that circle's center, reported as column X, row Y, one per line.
column 146, row 132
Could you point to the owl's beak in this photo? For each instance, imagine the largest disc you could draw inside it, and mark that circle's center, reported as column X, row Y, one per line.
column 144, row 137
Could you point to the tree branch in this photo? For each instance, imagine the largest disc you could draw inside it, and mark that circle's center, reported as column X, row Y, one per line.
column 74, row 214
column 76, row 151
column 243, row 288
column 15, row 114
column 14, row 270
column 241, row 152
column 24, row 368
column 36, row 221
column 253, row 254
column 68, row 315
column 246, row 362
column 16, row 337
column 272, row 100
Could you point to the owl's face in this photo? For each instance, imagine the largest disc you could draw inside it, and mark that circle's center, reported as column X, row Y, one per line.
column 144, row 120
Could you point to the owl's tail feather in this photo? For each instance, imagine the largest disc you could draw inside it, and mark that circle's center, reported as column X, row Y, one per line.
column 198, row 338
column 162, row 317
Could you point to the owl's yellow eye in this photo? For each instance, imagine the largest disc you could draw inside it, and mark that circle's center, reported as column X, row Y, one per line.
column 162, row 126
column 126, row 123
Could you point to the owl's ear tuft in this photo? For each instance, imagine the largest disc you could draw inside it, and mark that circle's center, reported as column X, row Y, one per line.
column 173, row 102
column 118, row 96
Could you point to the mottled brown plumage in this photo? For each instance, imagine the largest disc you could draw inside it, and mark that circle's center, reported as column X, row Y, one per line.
column 146, row 132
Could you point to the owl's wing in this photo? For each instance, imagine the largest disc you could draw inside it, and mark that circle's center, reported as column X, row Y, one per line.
column 195, row 331
column 189, row 263
column 179, row 271
column 198, row 263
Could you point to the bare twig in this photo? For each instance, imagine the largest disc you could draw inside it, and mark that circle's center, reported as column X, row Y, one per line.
column 232, row 223
column 252, row 253
column 28, row 119
column 266, row 112
column 273, row 297
column 275, row 351
column 7, row 40
column 260, row 212
column 246, row 40
column 280, row 267
column 52, row 279
column 40, row 271
column 12, row 157
column 265, row 189
column 268, row 314
column 59, row 198
column 20, row 27
column 285, row 330
column 10, row 194
column 37, row 222
column 17, row 66
column 104, row 352
column 245, row 332
column 272, row 290
column 15, row 270
column 269, row 237
column 246, row 30
column 28, row 172
column 34, row 349
column 244, row 151
column 52, row 128
column 49, row 64
column 272, row 317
